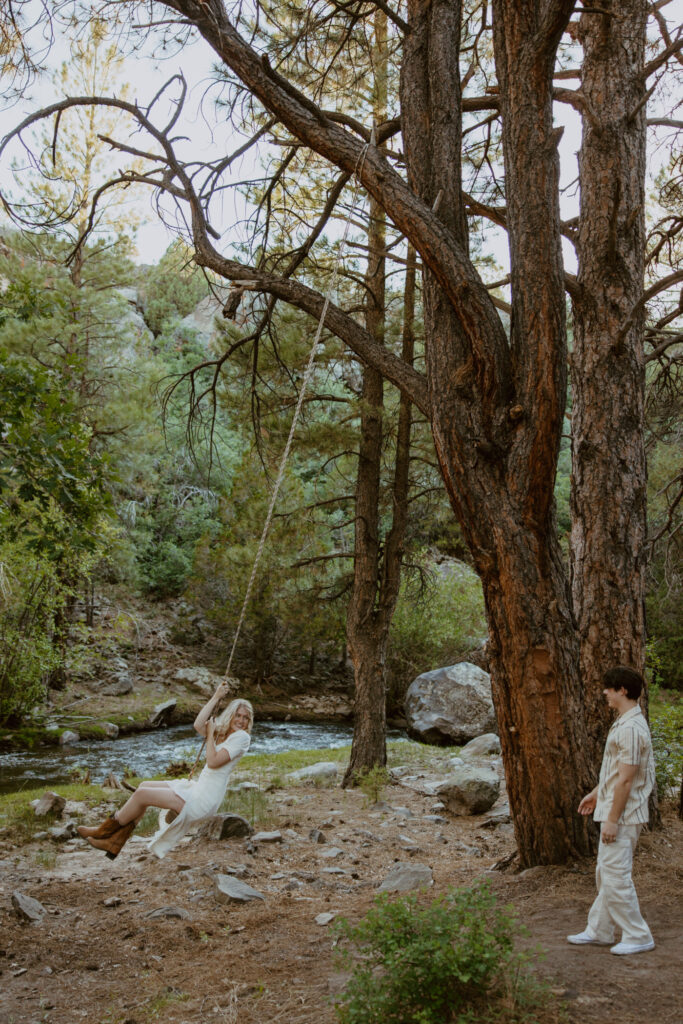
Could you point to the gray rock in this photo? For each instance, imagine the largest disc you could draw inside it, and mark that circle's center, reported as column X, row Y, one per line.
column 230, row 889
column 63, row 832
column 111, row 730
column 316, row 836
column 481, row 746
column 50, row 803
column 331, row 852
column 167, row 912
column 404, row 877
column 162, row 712
column 472, row 789
column 68, row 737
column 226, row 826
column 202, row 680
column 324, row 919
column 403, row 812
column 239, row 870
column 26, row 908
column 450, row 705
column 202, row 320
column 267, row 837
column 118, row 679
column 321, row 770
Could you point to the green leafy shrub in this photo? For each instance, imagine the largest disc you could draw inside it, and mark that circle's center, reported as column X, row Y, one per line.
column 445, row 962
column 372, row 783
column 666, row 723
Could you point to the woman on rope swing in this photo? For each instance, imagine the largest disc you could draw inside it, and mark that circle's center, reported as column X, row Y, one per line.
column 227, row 740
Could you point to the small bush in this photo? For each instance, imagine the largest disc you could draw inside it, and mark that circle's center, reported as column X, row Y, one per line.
column 446, row 962
column 666, row 723
column 372, row 783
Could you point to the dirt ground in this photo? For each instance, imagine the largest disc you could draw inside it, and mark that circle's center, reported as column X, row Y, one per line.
column 96, row 955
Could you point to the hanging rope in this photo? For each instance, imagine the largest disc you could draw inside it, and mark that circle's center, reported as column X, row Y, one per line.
column 295, row 419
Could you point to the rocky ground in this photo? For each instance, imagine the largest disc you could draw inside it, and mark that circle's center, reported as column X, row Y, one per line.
column 139, row 940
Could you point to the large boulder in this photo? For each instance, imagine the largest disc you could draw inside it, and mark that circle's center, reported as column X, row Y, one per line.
column 472, row 789
column 450, row 705
column 481, row 746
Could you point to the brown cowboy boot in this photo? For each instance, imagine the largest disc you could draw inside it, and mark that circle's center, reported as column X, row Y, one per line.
column 107, row 828
column 114, row 843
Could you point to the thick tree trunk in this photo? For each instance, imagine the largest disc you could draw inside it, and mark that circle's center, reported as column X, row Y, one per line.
column 498, row 440
column 608, row 562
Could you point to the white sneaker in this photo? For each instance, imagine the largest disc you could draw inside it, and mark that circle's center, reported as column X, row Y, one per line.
column 586, row 939
column 625, row 948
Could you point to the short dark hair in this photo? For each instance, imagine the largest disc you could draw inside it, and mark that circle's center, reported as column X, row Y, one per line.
column 623, row 677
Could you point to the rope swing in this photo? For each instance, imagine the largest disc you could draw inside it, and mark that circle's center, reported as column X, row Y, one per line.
column 295, row 419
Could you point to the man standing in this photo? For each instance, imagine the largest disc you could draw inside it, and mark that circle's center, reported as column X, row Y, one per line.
column 619, row 803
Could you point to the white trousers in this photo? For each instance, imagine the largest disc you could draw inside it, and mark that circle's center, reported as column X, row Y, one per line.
column 616, row 905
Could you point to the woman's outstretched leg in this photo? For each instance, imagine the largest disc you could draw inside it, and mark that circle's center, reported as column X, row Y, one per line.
column 157, row 795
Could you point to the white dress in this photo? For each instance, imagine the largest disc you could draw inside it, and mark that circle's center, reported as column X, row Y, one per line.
column 202, row 797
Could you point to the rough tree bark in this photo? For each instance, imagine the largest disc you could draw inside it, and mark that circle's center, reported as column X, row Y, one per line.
column 608, row 564
column 377, row 566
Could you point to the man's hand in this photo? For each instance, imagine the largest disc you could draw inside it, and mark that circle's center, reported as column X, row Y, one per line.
column 608, row 832
column 587, row 805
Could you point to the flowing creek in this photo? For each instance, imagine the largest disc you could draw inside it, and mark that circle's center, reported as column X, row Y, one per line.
column 146, row 754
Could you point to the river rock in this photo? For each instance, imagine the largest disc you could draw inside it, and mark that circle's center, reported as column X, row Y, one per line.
column 110, row 729
column 472, row 789
column 26, row 908
column 63, row 832
column 450, row 705
column 481, row 746
column 404, row 877
column 229, row 889
column 67, row 737
column 49, row 803
column 320, row 770
column 202, row 680
column 162, row 713
column 226, row 826
column 118, row 682
column 267, row 837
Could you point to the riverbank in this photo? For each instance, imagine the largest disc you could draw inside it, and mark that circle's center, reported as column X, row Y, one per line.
column 133, row 660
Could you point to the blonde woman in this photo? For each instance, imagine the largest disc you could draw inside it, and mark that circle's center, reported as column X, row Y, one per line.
column 227, row 740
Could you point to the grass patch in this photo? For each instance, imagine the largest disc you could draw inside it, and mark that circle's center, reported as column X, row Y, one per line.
column 18, row 820
column 292, row 760
column 252, row 804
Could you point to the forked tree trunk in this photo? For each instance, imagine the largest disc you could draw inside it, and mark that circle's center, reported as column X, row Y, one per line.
column 608, row 544
column 497, row 436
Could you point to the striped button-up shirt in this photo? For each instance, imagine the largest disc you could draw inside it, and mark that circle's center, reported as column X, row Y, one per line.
column 628, row 742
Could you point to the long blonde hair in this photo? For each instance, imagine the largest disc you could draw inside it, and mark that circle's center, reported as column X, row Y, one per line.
column 224, row 720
